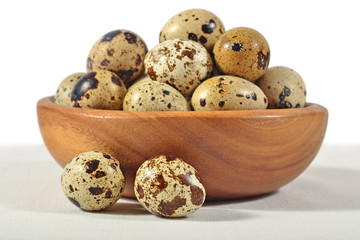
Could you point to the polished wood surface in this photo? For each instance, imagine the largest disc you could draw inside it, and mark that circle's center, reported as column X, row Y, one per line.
column 237, row 153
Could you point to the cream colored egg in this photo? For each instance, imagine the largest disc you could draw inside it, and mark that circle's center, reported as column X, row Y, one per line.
column 99, row 90
column 168, row 186
column 93, row 181
column 149, row 95
column 228, row 93
column 63, row 92
column 121, row 52
column 283, row 87
column 182, row 64
column 198, row 25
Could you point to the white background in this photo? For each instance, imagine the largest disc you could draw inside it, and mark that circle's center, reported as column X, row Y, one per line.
column 44, row 41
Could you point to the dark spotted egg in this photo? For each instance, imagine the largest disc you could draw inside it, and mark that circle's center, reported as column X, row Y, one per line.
column 93, row 181
column 148, row 95
column 283, row 87
column 119, row 51
column 228, row 93
column 99, row 90
column 63, row 92
column 183, row 64
column 242, row 52
column 198, row 25
column 168, row 186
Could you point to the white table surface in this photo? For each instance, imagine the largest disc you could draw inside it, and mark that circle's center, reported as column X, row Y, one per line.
column 322, row 203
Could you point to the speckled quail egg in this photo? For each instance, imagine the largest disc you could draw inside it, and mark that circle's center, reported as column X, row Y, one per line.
column 149, row 95
column 100, row 90
column 242, row 52
column 283, row 87
column 168, row 186
column 119, row 51
column 182, row 64
column 228, row 93
column 93, row 181
column 198, row 25
column 63, row 92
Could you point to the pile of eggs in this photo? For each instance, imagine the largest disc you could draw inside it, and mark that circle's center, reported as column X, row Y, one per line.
column 196, row 66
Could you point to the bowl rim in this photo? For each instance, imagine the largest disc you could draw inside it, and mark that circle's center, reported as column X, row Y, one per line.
column 49, row 102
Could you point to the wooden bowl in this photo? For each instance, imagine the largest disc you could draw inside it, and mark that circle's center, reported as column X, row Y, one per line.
column 237, row 153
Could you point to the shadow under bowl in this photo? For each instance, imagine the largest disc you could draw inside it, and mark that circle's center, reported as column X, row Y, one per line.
column 237, row 153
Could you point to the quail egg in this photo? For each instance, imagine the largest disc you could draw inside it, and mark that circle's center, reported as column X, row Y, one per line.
column 100, row 90
column 93, row 181
column 119, row 51
column 63, row 92
column 149, row 95
column 198, row 25
column 182, row 64
column 242, row 52
column 168, row 186
column 283, row 87
column 228, row 93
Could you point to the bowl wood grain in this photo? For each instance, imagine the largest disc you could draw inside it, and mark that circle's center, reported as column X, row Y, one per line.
column 237, row 153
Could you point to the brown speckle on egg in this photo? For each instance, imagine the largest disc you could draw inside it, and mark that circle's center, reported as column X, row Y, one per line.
column 130, row 37
column 91, row 165
column 108, row 194
column 96, row 190
column 263, row 60
column 104, row 62
column 168, row 208
column 193, row 37
column 100, row 174
column 110, row 52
